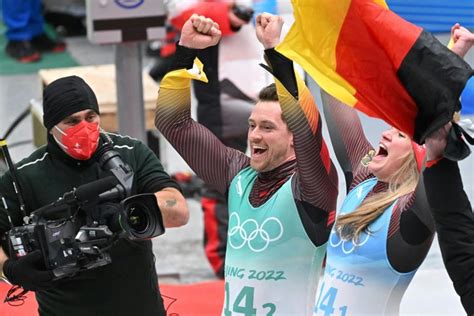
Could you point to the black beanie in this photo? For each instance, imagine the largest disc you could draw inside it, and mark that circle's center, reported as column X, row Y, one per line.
column 66, row 96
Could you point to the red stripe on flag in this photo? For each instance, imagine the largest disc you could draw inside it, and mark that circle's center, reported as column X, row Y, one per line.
column 369, row 52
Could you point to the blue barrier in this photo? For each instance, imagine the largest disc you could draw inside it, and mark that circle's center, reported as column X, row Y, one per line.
column 435, row 15
column 261, row 6
column 467, row 98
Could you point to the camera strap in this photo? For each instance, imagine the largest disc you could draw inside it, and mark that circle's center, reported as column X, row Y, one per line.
column 16, row 184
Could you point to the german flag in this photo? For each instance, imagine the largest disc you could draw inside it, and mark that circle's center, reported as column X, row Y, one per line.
column 371, row 59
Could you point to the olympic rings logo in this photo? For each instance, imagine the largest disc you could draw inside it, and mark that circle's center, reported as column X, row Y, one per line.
column 256, row 237
column 347, row 246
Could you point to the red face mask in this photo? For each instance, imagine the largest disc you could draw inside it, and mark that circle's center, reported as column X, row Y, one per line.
column 80, row 141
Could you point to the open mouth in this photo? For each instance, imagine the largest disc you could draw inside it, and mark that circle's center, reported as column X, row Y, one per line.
column 382, row 152
column 257, row 151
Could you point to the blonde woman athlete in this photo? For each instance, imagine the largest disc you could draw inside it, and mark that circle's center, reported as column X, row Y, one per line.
column 383, row 229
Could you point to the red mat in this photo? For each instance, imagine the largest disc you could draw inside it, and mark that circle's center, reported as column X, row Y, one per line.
column 29, row 307
column 198, row 299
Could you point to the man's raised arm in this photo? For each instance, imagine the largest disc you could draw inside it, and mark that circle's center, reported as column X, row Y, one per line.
column 316, row 174
column 208, row 157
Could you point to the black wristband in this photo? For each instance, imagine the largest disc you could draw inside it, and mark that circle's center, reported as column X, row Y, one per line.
column 183, row 58
column 282, row 69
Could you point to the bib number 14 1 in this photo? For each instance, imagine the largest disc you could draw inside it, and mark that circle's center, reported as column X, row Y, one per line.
column 325, row 303
column 244, row 303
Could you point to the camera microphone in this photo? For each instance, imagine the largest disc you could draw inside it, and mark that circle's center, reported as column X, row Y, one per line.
column 243, row 12
column 90, row 192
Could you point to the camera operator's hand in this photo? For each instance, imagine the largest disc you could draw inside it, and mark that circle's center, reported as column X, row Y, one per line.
column 29, row 272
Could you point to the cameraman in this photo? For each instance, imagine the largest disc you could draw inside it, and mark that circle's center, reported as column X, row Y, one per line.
column 127, row 286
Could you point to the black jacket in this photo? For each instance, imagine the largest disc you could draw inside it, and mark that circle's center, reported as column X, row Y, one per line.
column 454, row 225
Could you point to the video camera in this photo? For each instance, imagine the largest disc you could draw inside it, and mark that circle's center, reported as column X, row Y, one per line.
column 243, row 12
column 74, row 232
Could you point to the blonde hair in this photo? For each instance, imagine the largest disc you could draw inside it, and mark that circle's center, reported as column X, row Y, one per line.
column 402, row 182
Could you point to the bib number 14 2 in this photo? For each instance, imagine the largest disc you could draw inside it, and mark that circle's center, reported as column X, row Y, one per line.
column 244, row 303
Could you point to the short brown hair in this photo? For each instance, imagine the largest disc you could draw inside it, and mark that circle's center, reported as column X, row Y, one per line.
column 269, row 93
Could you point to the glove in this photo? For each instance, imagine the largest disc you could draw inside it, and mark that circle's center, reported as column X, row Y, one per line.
column 28, row 272
column 104, row 212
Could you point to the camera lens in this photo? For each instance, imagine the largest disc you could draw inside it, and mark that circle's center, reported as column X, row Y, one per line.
column 137, row 218
column 141, row 217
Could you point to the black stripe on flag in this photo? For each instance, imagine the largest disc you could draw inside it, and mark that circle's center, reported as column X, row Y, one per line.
column 434, row 76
